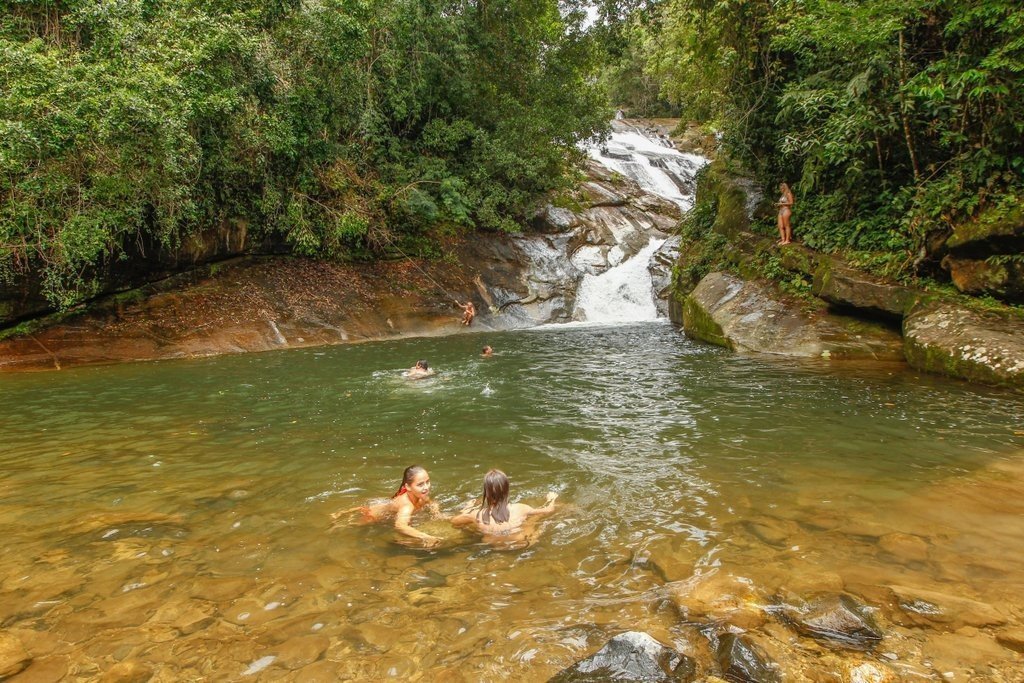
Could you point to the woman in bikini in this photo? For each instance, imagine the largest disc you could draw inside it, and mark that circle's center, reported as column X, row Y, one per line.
column 497, row 519
column 411, row 497
column 785, row 205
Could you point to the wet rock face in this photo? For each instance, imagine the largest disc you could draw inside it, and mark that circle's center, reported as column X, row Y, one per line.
column 742, row 662
column 752, row 316
column 959, row 342
column 838, row 620
column 631, row 656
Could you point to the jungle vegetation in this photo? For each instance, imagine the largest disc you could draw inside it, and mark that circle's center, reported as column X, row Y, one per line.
column 893, row 120
column 342, row 127
column 348, row 128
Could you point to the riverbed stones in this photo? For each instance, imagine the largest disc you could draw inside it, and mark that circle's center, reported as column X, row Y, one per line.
column 752, row 316
column 837, row 620
column 13, row 656
column 844, row 286
column 949, row 339
column 630, row 656
column 1012, row 639
column 741, row 661
column 906, row 547
column 924, row 607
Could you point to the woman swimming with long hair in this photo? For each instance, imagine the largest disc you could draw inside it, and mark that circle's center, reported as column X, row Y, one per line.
column 412, row 496
column 496, row 518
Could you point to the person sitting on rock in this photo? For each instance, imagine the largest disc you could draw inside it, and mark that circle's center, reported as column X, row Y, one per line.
column 468, row 312
column 420, row 370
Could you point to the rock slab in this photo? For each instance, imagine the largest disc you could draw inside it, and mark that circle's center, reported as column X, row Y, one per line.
column 752, row 316
column 949, row 339
column 630, row 656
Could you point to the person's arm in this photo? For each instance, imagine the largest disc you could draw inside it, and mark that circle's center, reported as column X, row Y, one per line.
column 402, row 524
column 467, row 515
column 548, row 508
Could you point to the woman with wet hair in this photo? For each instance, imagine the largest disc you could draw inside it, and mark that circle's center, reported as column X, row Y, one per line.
column 496, row 517
column 412, row 496
column 420, row 370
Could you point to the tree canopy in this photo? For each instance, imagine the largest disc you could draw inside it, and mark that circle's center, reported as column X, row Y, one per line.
column 892, row 119
column 342, row 126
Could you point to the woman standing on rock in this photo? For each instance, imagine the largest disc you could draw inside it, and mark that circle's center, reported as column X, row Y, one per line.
column 785, row 205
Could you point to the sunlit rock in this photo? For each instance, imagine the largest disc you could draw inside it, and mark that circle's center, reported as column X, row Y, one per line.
column 296, row 653
column 741, row 661
column 906, row 547
column 923, row 607
column 952, row 340
column 13, row 656
column 630, row 656
column 837, row 620
column 129, row 671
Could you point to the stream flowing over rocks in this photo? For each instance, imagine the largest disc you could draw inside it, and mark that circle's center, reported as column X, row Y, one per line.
column 597, row 261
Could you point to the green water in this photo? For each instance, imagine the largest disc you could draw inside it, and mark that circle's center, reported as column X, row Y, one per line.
column 173, row 516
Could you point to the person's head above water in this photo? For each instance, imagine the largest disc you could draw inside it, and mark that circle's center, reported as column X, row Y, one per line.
column 495, row 507
column 422, row 365
column 415, row 482
column 487, row 351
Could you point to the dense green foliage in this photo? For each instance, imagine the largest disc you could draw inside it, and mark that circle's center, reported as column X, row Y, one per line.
column 344, row 126
column 890, row 119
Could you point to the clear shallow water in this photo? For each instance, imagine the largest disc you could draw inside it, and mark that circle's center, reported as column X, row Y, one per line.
column 174, row 515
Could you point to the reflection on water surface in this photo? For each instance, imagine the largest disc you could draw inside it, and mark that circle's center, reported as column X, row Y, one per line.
column 172, row 517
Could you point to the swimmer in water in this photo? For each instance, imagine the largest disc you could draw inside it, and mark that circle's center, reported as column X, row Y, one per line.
column 487, row 352
column 411, row 497
column 497, row 519
column 420, row 370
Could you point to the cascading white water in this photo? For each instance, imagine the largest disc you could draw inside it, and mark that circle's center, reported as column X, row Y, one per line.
column 653, row 163
column 620, row 294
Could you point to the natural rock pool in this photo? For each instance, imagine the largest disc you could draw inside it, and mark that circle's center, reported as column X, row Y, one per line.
column 171, row 519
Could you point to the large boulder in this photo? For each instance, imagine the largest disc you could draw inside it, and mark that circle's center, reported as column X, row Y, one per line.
column 752, row 316
column 630, row 656
column 844, row 286
column 983, row 256
column 950, row 339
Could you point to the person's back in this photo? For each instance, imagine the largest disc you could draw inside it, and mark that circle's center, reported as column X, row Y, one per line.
column 495, row 518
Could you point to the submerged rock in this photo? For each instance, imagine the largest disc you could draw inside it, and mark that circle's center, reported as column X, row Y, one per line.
column 630, row 656
column 952, row 340
column 840, row 620
column 751, row 316
column 743, row 662
column 13, row 657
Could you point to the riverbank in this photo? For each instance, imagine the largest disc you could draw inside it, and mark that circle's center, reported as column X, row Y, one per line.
column 789, row 299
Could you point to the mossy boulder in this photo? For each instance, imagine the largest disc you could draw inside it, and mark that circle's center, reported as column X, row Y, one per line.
column 1002, row 278
column 996, row 231
column 844, row 286
column 753, row 316
column 950, row 339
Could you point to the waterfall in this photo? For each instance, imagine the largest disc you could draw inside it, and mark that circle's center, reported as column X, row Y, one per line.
column 652, row 162
column 622, row 293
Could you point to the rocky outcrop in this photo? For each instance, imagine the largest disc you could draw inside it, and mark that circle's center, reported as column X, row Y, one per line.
column 949, row 339
column 630, row 656
column 751, row 316
column 999, row 276
column 984, row 256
